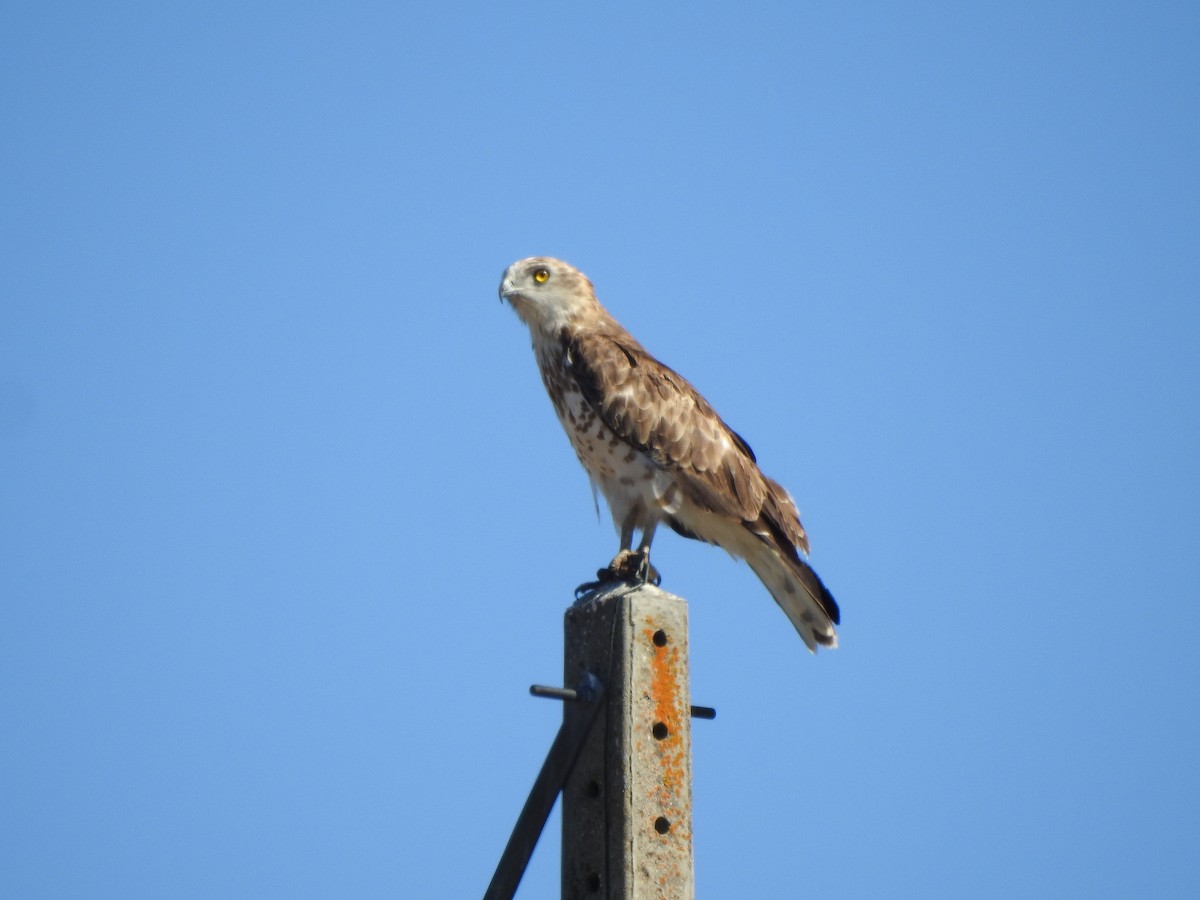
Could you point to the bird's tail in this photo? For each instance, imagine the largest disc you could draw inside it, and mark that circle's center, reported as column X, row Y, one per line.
column 798, row 591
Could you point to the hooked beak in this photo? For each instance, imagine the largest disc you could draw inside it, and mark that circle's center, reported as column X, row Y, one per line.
column 508, row 291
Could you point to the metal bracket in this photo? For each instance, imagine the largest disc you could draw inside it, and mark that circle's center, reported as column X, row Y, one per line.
column 549, row 783
column 556, row 693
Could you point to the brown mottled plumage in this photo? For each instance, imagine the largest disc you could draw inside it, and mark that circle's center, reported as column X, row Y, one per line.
column 656, row 449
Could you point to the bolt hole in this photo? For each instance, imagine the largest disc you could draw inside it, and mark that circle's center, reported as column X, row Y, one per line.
column 593, row 788
column 660, row 730
column 662, row 825
column 593, row 883
column 660, row 638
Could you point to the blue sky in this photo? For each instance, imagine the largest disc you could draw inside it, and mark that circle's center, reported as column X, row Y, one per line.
column 287, row 525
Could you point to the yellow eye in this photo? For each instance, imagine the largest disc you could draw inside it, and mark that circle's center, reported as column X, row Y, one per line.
column 541, row 276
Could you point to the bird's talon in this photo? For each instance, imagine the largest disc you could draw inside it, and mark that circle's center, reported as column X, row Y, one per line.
column 628, row 567
column 603, row 576
column 586, row 588
column 647, row 574
column 632, row 566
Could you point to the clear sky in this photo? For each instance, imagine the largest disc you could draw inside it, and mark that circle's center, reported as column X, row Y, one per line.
column 287, row 525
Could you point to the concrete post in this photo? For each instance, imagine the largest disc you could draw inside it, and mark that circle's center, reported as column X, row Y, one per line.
column 627, row 806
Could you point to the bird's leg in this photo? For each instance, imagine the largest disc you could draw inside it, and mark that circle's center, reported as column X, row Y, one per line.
column 632, row 565
column 628, row 565
column 625, row 565
column 645, row 571
column 647, row 537
column 627, row 531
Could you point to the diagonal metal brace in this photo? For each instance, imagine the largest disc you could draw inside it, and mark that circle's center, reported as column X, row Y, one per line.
column 578, row 717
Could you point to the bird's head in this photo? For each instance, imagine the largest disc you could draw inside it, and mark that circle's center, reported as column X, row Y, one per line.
column 548, row 294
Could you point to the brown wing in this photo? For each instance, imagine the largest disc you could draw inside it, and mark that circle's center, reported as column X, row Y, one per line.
column 653, row 408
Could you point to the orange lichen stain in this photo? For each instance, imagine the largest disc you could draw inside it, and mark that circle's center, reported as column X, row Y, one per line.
column 664, row 691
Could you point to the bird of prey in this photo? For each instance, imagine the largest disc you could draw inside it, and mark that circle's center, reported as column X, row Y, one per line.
column 657, row 450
